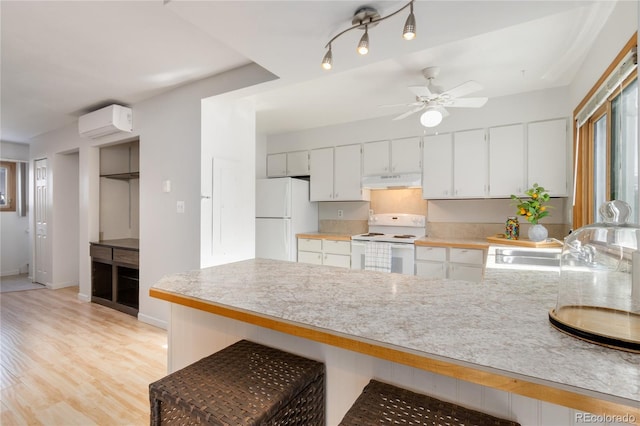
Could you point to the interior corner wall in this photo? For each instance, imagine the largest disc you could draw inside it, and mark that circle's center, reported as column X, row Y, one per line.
column 14, row 229
column 66, row 211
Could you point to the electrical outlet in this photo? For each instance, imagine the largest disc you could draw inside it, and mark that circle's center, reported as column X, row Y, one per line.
column 340, row 213
column 180, row 206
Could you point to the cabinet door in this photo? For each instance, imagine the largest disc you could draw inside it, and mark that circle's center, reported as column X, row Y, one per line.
column 470, row 164
column 375, row 158
column 336, row 247
column 337, row 260
column 506, row 161
column 321, row 174
column 406, row 156
column 465, row 272
column 437, row 174
column 277, row 165
column 347, row 173
column 547, row 156
column 315, row 258
column 431, row 269
column 298, row 163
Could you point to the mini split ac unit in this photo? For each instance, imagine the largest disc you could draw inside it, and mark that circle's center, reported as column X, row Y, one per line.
column 106, row 121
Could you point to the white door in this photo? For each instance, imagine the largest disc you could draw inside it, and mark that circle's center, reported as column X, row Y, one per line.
column 298, row 163
column 437, row 175
column 321, row 169
column 470, row 164
column 506, row 160
column 273, row 197
column 547, row 156
column 347, row 174
column 375, row 158
column 41, row 243
column 406, row 156
column 273, row 239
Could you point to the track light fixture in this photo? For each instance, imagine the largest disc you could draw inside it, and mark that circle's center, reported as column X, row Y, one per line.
column 363, row 19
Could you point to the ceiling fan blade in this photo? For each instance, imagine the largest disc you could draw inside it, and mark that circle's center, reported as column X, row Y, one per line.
column 408, row 113
column 466, row 102
column 421, row 91
column 463, row 89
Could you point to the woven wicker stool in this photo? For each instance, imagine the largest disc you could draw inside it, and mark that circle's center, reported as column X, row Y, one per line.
column 243, row 384
column 381, row 403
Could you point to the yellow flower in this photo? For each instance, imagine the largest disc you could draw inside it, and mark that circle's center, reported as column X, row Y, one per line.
column 534, row 195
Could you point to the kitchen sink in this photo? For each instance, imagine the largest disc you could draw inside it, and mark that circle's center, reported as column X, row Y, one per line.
column 523, row 258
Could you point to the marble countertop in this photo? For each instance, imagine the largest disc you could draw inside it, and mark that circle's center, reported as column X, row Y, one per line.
column 453, row 242
column 499, row 325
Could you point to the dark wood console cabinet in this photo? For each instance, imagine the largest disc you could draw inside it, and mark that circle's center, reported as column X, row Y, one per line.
column 115, row 274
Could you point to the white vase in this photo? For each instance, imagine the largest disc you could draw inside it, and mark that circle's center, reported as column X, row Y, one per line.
column 537, row 233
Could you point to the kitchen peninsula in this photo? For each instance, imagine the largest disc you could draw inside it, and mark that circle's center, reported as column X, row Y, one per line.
column 367, row 324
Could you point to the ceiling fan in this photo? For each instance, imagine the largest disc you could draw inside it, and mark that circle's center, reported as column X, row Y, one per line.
column 433, row 99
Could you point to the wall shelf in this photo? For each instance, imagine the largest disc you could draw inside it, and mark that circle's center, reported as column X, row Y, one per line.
column 122, row 176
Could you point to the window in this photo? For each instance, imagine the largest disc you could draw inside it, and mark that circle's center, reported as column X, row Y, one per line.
column 606, row 143
column 7, row 186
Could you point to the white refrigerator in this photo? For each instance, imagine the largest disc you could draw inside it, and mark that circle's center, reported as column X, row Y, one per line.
column 283, row 210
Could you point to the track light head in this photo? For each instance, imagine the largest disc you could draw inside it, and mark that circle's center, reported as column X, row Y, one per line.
column 363, row 45
column 327, row 61
column 409, row 32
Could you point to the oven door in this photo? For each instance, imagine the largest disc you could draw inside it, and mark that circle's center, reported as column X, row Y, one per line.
column 402, row 257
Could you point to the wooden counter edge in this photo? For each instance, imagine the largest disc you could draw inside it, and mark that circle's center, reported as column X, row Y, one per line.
column 337, row 237
column 497, row 381
column 444, row 243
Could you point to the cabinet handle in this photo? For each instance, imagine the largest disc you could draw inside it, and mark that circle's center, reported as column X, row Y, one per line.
column 336, row 195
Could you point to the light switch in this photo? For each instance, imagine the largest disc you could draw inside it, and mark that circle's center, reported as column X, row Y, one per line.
column 166, row 185
column 180, row 206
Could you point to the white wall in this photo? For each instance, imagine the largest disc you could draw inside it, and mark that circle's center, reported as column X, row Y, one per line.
column 169, row 129
column 65, row 213
column 14, row 229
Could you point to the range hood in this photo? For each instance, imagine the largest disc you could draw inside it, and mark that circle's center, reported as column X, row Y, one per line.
column 403, row 180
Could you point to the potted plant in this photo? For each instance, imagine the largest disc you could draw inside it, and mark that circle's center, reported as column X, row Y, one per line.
column 533, row 209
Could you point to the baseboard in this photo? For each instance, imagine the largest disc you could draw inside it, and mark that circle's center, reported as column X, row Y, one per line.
column 153, row 321
column 57, row 286
column 84, row 297
column 10, row 272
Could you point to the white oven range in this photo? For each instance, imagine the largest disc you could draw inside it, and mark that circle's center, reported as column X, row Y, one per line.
column 389, row 244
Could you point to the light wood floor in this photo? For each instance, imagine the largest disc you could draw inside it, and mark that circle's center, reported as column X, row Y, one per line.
column 66, row 362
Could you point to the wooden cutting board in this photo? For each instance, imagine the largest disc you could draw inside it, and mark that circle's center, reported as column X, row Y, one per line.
column 523, row 242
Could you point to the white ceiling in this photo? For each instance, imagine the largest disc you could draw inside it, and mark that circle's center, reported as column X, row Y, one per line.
column 61, row 59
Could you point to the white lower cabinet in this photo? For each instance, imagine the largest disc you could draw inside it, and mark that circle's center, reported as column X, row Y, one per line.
column 324, row 252
column 450, row 262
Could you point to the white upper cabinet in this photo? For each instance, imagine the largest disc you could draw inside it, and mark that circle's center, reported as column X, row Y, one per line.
column 506, row 161
column 294, row 163
column 336, row 174
column 406, row 155
column 277, row 165
column 397, row 156
column 470, row 164
column 437, row 174
column 298, row 163
column 321, row 180
column 375, row 158
column 347, row 174
column 547, row 156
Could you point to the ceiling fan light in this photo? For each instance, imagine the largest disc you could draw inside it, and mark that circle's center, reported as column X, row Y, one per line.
column 327, row 61
column 431, row 117
column 363, row 45
column 409, row 32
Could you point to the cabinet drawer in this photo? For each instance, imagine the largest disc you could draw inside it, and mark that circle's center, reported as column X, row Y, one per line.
column 431, row 270
column 309, row 244
column 100, row 252
column 473, row 256
column 314, row 258
column 336, row 247
column 438, row 254
column 465, row 272
column 340, row 260
column 126, row 256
